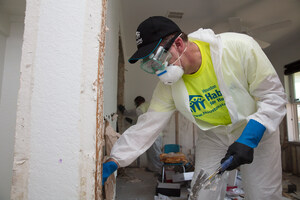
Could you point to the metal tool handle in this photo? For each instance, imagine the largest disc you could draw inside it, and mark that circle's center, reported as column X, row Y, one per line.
column 226, row 164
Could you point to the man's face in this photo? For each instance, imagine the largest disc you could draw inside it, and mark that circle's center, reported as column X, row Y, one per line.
column 174, row 59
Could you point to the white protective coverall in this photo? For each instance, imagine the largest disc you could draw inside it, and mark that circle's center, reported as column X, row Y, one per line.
column 154, row 163
column 251, row 90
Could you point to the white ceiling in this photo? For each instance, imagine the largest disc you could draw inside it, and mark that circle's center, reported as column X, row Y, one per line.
column 214, row 14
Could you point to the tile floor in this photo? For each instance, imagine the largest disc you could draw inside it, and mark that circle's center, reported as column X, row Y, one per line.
column 135, row 184
column 139, row 184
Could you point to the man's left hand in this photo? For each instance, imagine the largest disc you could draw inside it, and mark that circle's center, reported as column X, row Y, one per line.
column 108, row 168
column 242, row 154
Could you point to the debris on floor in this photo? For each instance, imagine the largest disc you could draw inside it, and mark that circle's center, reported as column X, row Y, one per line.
column 135, row 180
column 161, row 197
column 128, row 176
column 234, row 190
column 137, row 183
column 234, row 193
column 129, row 188
column 168, row 189
column 290, row 186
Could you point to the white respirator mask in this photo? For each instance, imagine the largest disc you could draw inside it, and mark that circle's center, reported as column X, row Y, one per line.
column 172, row 73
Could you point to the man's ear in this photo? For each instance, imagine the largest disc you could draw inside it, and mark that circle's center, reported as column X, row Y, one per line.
column 179, row 43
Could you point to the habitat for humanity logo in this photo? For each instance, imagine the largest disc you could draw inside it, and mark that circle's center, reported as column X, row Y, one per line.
column 196, row 101
column 212, row 99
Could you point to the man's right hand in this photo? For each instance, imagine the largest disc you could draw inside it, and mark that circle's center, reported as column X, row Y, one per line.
column 108, row 169
column 242, row 154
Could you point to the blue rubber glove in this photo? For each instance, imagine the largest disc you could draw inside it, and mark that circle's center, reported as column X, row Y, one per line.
column 108, row 169
column 252, row 134
column 242, row 149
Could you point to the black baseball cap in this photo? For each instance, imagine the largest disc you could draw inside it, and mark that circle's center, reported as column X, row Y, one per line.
column 150, row 33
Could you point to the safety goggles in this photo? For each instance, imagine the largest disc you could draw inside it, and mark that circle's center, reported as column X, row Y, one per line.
column 156, row 61
column 159, row 59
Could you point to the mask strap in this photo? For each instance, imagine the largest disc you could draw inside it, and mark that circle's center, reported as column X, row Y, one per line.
column 180, row 55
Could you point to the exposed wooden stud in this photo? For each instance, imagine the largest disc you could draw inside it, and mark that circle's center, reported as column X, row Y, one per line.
column 121, row 81
column 100, row 96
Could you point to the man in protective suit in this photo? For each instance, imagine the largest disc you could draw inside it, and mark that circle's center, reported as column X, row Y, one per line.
column 225, row 85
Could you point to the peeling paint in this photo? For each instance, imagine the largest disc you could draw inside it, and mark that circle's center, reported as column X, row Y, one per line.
column 83, row 185
column 94, row 85
column 20, row 162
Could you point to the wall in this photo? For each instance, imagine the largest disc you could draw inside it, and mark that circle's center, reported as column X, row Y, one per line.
column 4, row 22
column 2, row 55
column 4, row 32
column 8, row 106
column 137, row 83
column 57, row 101
column 111, row 59
column 283, row 53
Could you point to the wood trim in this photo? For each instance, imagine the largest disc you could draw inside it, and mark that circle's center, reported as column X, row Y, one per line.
column 121, row 89
column 99, row 115
column 293, row 143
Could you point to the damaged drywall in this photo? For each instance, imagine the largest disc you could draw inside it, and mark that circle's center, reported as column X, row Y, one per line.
column 100, row 118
